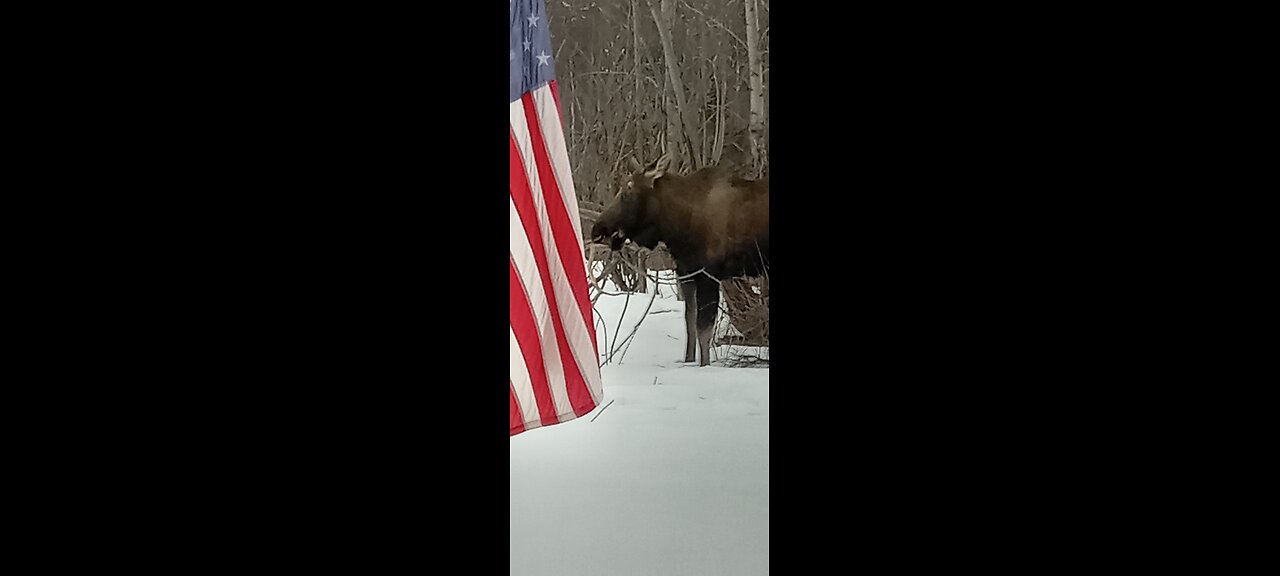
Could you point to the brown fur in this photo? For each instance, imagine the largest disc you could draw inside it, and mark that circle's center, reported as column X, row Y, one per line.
column 709, row 221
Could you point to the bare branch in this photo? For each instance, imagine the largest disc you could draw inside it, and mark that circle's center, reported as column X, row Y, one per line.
column 717, row 23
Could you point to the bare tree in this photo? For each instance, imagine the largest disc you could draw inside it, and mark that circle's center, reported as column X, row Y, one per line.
column 756, row 126
column 638, row 142
column 678, row 132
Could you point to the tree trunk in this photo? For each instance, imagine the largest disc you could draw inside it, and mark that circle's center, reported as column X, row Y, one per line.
column 677, row 127
column 756, row 73
column 637, row 134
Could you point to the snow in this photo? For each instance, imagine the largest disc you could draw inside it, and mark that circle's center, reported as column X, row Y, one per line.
column 672, row 476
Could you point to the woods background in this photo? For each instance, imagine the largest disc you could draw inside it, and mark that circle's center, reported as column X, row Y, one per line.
column 643, row 77
column 638, row 77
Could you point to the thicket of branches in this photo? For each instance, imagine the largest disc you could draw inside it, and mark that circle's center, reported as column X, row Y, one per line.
column 637, row 77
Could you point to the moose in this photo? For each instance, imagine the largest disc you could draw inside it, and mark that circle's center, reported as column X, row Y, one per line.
column 715, row 226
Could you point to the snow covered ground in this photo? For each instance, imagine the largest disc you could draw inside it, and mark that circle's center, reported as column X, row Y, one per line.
column 672, row 478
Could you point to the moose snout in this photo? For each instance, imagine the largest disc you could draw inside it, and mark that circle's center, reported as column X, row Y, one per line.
column 599, row 233
column 605, row 234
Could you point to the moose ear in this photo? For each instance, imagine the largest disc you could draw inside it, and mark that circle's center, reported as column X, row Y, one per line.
column 660, row 167
column 634, row 164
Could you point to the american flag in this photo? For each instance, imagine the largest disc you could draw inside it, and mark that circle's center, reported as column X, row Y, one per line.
column 555, row 374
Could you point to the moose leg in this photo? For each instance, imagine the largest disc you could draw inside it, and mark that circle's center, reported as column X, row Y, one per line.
column 708, row 306
column 689, row 290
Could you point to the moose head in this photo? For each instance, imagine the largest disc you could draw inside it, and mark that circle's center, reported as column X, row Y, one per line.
column 633, row 213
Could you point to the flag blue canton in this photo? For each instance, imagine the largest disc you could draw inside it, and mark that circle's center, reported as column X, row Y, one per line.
column 531, row 64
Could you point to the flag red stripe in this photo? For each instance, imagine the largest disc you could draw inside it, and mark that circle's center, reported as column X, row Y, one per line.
column 526, row 329
column 517, row 417
column 522, row 196
column 567, row 243
column 578, row 276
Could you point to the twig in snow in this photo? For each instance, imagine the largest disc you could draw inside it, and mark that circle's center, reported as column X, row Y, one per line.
column 603, row 325
column 606, row 407
column 619, row 328
column 631, row 337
